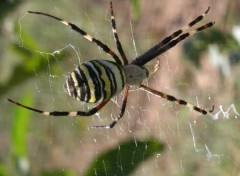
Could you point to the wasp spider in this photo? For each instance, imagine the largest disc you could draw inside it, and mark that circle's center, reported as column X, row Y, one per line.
column 97, row 81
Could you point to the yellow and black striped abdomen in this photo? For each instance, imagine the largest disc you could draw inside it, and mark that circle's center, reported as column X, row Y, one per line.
column 95, row 80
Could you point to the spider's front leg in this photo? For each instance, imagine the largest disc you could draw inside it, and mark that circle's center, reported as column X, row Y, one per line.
column 176, row 100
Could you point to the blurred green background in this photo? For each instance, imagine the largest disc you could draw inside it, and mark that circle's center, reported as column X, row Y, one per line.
column 155, row 137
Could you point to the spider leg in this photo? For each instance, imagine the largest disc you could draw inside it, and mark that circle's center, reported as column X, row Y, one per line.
column 100, row 44
column 143, row 60
column 123, row 108
column 64, row 113
column 174, row 34
column 116, row 39
column 168, row 39
column 178, row 101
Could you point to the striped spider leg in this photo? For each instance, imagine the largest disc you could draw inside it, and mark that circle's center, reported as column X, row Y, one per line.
column 171, row 40
column 97, row 81
column 117, row 41
column 178, row 101
column 64, row 113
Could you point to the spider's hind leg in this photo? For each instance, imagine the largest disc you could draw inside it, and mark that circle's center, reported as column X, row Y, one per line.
column 64, row 113
column 123, row 108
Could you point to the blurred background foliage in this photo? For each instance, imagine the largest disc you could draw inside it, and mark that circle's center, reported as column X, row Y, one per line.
column 37, row 54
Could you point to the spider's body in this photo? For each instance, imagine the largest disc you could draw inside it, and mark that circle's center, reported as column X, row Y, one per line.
column 99, row 80
column 95, row 81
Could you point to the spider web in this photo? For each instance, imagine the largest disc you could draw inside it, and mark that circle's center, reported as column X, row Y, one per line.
column 72, row 143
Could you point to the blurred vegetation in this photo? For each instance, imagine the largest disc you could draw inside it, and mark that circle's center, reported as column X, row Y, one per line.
column 124, row 158
column 193, row 49
column 7, row 6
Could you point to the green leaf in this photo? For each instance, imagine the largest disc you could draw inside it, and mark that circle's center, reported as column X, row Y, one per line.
column 125, row 158
column 20, row 126
column 19, row 133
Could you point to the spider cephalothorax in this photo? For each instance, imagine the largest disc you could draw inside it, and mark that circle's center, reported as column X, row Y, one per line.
column 99, row 80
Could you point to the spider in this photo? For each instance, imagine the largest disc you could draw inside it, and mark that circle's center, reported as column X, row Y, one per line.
column 97, row 81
